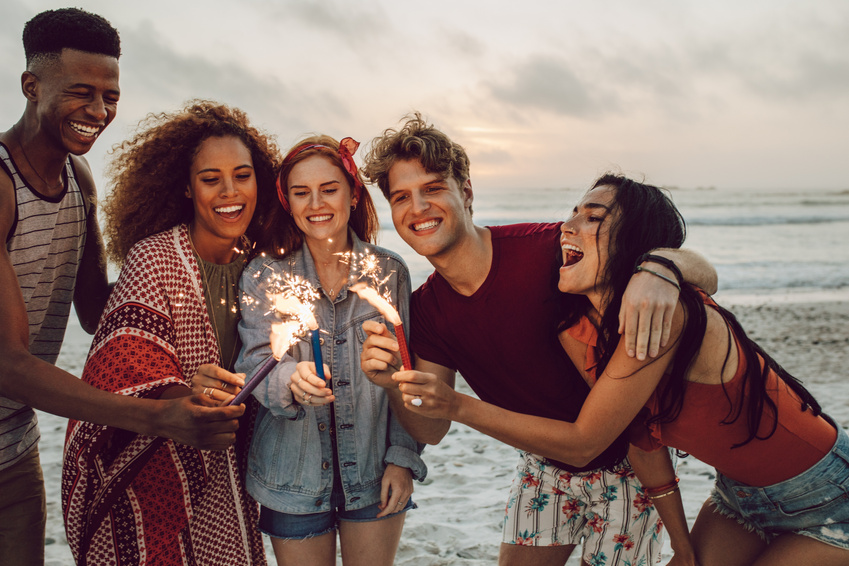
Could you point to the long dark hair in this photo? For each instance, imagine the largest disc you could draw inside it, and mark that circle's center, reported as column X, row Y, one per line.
column 647, row 219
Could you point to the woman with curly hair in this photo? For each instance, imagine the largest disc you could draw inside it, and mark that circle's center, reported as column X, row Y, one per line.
column 349, row 465
column 180, row 216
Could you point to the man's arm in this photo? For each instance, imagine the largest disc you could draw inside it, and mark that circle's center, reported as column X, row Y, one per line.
column 645, row 318
column 29, row 380
column 693, row 266
column 380, row 360
column 92, row 287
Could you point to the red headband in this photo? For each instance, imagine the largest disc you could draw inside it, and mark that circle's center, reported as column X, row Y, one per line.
column 347, row 149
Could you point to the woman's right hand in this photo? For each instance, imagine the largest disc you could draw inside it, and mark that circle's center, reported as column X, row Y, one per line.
column 217, row 383
column 307, row 388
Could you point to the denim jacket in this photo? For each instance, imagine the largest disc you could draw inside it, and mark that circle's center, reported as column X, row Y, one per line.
column 291, row 465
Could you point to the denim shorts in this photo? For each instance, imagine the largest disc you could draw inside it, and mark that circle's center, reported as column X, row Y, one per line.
column 296, row 527
column 814, row 503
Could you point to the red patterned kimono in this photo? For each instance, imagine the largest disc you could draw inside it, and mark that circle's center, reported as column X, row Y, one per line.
column 130, row 499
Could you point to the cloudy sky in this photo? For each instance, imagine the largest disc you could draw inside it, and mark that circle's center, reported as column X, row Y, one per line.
column 730, row 94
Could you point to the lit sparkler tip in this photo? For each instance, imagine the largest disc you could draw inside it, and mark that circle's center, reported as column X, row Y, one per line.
column 381, row 304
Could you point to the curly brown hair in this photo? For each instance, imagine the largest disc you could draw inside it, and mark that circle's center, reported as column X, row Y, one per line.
column 149, row 173
column 415, row 140
column 280, row 235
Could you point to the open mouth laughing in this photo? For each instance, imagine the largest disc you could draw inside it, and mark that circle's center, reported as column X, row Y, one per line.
column 85, row 130
column 571, row 254
column 230, row 212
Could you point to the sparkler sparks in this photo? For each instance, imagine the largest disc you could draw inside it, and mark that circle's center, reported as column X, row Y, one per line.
column 291, row 298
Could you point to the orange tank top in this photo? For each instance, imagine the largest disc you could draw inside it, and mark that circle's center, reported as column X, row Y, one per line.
column 800, row 440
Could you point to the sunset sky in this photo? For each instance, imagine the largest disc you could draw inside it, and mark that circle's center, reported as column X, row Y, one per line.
column 729, row 94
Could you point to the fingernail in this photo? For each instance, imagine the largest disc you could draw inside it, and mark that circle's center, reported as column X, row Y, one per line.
column 630, row 353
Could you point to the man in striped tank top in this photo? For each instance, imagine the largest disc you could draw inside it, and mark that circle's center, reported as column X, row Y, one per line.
column 54, row 257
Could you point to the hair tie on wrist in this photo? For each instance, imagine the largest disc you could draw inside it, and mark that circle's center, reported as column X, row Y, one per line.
column 665, row 262
column 662, row 276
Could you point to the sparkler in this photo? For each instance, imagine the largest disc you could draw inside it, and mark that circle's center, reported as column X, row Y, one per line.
column 367, row 293
column 293, row 303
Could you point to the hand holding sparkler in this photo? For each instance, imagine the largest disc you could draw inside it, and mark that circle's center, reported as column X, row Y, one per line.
column 294, row 306
column 390, row 314
column 308, row 388
column 380, row 357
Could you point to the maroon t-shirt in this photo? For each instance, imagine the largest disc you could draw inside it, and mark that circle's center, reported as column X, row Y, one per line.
column 503, row 338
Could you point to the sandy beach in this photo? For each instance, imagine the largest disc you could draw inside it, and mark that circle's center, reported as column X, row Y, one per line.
column 462, row 500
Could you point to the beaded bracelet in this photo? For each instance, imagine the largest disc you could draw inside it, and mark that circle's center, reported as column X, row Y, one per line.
column 664, row 261
column 661, row 275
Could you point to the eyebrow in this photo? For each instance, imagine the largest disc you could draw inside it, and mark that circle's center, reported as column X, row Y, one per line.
column 593, row 205
column 216, row 170
column 92, row 87
column 326, row 183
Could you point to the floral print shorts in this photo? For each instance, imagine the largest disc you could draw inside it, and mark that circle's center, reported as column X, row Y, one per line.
column 607, row 512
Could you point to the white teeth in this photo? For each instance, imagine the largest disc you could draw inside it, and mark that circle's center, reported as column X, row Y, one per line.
column 425, row 225
column 320, row 218
column 228, row 209
column 572, row 248
column 84, row 130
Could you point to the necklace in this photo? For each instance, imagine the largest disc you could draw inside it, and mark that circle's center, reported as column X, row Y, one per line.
column 211, row 308
column 339, row 282
column 47, row 185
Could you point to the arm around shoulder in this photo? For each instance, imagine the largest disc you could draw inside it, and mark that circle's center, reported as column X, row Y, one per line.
column 694, row 267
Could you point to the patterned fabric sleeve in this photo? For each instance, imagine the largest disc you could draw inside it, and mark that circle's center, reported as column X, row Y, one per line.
column 129, row 498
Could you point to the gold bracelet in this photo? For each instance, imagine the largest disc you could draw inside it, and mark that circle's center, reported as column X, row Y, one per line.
column 670, row 492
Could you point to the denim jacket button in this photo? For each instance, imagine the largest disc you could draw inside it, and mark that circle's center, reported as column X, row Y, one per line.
column 322, row 427
column 325, row 465
column 741, row 493
column 318, row 502
column 341, row 341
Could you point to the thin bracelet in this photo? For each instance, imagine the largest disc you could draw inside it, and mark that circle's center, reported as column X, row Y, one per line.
column 664, row 261
column 662, row 276
column 670, row 492
column 661, row 488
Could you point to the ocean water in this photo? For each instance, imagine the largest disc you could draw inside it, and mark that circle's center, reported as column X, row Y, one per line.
column 780, row 243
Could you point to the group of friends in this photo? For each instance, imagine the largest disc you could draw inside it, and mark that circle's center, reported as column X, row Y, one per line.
column 592, row 345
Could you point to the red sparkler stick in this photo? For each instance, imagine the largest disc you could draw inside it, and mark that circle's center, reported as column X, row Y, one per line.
column 402, row 345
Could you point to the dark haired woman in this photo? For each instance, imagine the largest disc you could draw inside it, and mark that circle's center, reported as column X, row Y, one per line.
column 185, row 190
column 782, row 488
column 326, row 457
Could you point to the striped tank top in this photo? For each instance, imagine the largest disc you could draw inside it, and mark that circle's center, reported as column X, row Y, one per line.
column 45, row 245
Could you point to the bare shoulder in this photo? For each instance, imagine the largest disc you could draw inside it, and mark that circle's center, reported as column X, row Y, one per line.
column 717, row 359
column 7, row 203
column 84, row 177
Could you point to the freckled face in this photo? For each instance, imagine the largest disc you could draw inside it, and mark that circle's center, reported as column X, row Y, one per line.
column 430, row 213
column 584, row 241
column 222, row 186
column 320, row 199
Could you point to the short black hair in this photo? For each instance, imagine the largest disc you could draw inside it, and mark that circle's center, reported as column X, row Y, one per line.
column 51, row 31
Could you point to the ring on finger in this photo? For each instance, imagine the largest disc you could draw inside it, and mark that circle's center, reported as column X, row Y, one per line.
column 304, row 396
column 207, row 391
column 309, row 399
column 417, row 402
column 224, row 385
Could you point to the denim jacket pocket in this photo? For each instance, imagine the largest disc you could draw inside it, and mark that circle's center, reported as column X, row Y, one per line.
column 276, row 462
